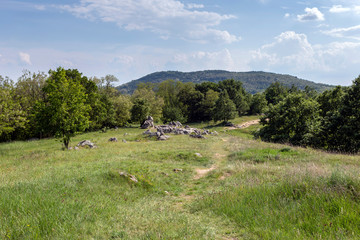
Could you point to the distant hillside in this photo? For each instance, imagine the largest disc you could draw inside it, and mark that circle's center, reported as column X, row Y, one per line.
column 252, row 81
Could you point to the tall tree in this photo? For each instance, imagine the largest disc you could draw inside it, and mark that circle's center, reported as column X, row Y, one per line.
column 11, row 114
column 65, row 105
column 224, row 109
column 237, row 94
column 349, row 131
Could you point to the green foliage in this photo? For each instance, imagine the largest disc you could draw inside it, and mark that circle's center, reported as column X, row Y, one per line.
column 140, row 110
column 11, row 114
column 294, row 120
column 224, row 109
column 65, row 104
column 258, row 104
column 150, row 100
column 275, row 93
column 237, row 94
column 122, row 106
column 349, row 131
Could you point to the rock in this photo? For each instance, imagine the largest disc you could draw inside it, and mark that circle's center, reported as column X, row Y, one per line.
column 198, row 154
column 132, row 178
column 147, row 132
column 197, row 136
column 177, row 170
column 124, row 141
column 175, row 123
column 76, row 148
column 126, row 134
column 129, row 176
column 113, row 139
column 229, row 124
column 86, row 143
column 163, row 138
column 187, row 127
column 149, row 122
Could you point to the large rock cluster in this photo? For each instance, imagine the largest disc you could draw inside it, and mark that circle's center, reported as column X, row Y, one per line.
column 148, row 123
column 176, row 128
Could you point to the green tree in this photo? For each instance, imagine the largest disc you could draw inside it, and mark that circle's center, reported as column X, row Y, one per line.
column 153, row 102
column 28, row 91
column 65, row 105
column 11, row 114
column 140, row 110
column 207, row 105
column 258, row 104
column 224, row 109
column 237, row 94
column 122, row 106
column 349, row 131
column 330, row 104
column 276, row 92
column 294, row 120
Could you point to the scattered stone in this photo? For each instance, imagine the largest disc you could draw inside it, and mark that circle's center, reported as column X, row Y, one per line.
column 163, row 173
column 163, row 137
column 76, row 148
column 197, row 136
column 177, row 170
column 198, row 154
column 166, row 192
column 124, row 141
column 85, row 143
column 113, row 139
column 149, row 122
column 125, row 134
column 129, row 176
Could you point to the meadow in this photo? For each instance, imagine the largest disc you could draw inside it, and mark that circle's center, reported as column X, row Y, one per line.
column 227, row 186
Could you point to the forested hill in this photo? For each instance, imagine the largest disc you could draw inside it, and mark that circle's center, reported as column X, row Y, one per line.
column 252, row 81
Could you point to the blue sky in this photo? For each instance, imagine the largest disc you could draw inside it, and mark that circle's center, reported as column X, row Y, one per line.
column 316, row 40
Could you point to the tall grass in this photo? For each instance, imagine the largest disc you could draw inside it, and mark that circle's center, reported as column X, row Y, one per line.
column 307, row 208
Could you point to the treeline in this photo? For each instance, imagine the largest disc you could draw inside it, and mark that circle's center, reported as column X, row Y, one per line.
column 330, row 120
column 65, row 102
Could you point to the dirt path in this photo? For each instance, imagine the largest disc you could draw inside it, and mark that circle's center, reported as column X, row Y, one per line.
column 245, row 124
column 202, row 172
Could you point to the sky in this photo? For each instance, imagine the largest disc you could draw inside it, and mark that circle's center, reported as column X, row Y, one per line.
column 315, row 40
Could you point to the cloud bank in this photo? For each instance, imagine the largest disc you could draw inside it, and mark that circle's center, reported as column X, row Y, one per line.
column 167, row 18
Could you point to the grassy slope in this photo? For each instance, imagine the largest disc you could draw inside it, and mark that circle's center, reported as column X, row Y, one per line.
column 257, row 191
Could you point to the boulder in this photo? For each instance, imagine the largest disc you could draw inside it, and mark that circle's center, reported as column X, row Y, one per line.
column 85, row 143
column 149, row 122
column 113, row 139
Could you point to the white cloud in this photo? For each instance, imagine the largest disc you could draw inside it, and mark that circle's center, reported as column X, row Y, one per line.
column 287, row 15
column 40, row 7
column 167, row 18
column 350, row 32
column 25, row 58
column 194, row 5
column 311, row 14
column 292, row 53
column 339, row 9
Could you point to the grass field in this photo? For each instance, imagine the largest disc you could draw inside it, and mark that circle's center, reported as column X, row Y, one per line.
column 255, row 190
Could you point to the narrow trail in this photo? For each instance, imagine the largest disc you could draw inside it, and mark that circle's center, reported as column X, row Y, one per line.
column 219, row 153
column 245, row 124
column 201, row 172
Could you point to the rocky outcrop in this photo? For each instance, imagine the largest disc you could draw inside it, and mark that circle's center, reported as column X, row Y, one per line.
column 148, row 123
column 176, row 128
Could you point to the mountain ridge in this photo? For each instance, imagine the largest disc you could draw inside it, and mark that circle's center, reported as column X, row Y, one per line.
column 253, row 81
